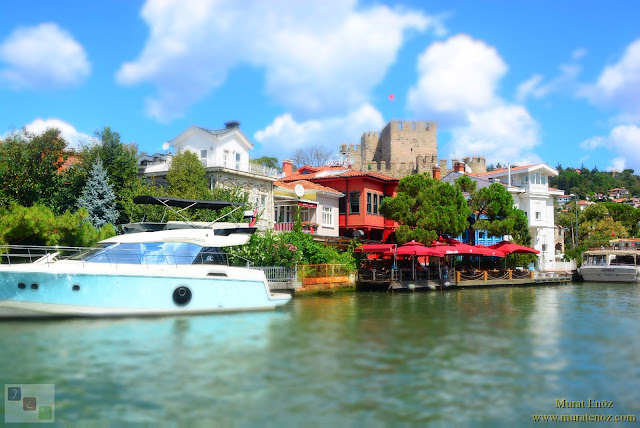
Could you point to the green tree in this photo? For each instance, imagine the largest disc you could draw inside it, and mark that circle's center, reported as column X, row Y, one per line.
column 269, row 162
column 29, row 167
column 186, row 177
column 98, row 197
column 38, row 225
column 426, row 209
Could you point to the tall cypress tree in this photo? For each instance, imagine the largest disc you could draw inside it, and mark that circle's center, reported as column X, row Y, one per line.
column 98, row 197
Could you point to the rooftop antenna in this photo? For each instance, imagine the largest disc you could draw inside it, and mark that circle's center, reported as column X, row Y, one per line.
column 165, row 147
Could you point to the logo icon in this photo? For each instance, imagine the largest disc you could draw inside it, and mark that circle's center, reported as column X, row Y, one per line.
column 29, row 403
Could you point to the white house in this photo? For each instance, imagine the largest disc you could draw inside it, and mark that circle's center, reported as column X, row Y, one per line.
column 529, row 186
column 318, row 207
column 225, row 155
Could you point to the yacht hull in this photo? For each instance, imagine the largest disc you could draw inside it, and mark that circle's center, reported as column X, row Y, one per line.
column 609, row 273
column 68, row 290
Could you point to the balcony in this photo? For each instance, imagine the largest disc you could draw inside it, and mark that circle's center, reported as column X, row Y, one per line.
column 288, row 227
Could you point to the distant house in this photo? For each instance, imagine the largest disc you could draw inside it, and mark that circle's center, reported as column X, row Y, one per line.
column 363, row 193
column 618, row 193
column 225, row 155
column 318, row 207
column 582, row 205
column 563, row 199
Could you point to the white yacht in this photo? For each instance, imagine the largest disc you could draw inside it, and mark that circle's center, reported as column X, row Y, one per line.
column 610, row 265
column 153, row 269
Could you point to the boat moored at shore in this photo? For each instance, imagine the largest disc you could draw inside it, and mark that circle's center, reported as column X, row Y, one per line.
column 610, row 265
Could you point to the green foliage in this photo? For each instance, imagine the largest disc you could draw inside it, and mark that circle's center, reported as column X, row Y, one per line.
column 499, row 216
column 426, row 209
column 29, row 167
column 98, row 197
column 187, row 177
column 38, row 225
column 267, row 161
column 589, row 182
column 466, row 184
column 289, row 249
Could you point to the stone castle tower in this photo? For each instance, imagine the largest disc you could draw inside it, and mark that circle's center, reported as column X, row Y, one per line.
column 403, row 148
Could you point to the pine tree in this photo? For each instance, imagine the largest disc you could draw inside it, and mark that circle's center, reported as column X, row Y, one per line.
column 98, row 197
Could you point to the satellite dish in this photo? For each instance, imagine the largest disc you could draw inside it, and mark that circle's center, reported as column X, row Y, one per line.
column 165, row 146
column 299, row 190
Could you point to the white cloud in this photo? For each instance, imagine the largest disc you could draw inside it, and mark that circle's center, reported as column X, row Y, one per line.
column 317, row 56
column 285, row 134
column 42, row 57
column 73, row 138
column 501, row 134
column 578, row 53
column 618, row 85
column 456, row 75
column 457, row 86
column 565, row 80
column 623, row 141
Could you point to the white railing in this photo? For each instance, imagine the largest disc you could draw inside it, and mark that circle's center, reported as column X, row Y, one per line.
column 264, row 170
column 278, row 273
column 555, row 266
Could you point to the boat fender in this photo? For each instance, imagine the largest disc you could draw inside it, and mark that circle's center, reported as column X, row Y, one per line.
column 182, row 295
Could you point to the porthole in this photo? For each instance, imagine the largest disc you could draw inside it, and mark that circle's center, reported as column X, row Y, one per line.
column 22, row 286
column 34, row 286
column 182, row 295
column 75, row 287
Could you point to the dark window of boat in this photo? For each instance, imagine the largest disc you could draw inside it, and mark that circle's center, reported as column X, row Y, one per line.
column 210, row 256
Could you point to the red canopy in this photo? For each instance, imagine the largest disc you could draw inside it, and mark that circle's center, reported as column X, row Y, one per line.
column 414, row 248
column 376, row 248
column 509, row 247
column 490, row 252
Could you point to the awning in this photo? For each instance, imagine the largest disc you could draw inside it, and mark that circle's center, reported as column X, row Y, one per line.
column 376, row 248
column 307, row 204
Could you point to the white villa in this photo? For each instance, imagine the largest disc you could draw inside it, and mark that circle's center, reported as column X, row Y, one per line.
column 529, row 186
column 225, row 155
column 318, row 207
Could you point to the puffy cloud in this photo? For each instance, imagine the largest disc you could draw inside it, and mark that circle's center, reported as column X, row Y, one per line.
column 618, row 85
column 317, row 56
column 565, row 80
column 455, row 76
column 623, row 141
column 501, row 134
column 74, row 138
column 42, row 57
column 285, row 134
column 457, row 86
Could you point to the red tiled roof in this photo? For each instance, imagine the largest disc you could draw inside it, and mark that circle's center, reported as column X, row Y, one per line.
column 497, row 171
column 316, row 173
column 306, row 184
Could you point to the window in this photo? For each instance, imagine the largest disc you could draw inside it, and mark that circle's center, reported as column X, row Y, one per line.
column 342, row 205
column 354, row 203
column 375, row 203
column 368, row 203
column 327, row 216
column 225, row 158
column 304, row 215
column 238, row 157
column 399, row 126
column 413, row 126
column 380, row 198
column 544, row 178
column 538, row 215
column 203, row 154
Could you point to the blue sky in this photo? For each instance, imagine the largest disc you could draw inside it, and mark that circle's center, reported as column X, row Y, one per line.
column 518, row 82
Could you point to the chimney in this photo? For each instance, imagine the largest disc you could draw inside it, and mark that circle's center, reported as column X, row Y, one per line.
column 287, row 167
column 232, row 124
column 459, row 167
column 436, row 172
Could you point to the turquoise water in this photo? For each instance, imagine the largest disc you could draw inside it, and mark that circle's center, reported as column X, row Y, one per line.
column 482, row 355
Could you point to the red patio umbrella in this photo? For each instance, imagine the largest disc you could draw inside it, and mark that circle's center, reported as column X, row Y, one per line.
column 414, row 248
column 489, row 252
column 509, row 247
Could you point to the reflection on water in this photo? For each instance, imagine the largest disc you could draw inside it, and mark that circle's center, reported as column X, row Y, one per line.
column 469, row 355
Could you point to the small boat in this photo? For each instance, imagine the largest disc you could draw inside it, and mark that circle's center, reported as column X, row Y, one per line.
column 610, row 265
column 152, row 269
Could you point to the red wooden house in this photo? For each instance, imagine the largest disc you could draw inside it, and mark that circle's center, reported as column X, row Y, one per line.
column 364, row 192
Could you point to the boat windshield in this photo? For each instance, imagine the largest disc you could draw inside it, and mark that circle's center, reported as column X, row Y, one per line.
column 595, row 260
column 156, row 253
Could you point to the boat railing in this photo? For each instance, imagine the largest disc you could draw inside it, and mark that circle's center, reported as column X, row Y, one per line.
column 22, row 254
